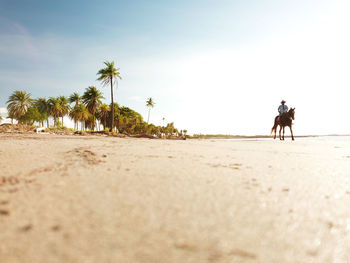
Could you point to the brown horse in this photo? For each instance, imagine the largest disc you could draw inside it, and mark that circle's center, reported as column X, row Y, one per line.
column 284, row 120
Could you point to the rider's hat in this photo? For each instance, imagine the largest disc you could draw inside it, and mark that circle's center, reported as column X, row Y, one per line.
column 283, row 101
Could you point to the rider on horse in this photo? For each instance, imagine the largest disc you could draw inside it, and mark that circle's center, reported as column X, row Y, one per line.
column 284, row 119
column 282, row 108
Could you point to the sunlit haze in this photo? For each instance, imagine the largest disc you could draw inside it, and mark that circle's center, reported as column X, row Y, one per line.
column 210, row 66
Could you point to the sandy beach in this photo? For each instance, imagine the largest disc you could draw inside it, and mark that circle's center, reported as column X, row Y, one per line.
column 105, row 199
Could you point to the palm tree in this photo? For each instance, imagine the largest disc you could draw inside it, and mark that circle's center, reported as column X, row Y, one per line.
column 74, row 115
column 43, row 107
column 64, row 103
column 103, row 114
column 107, row 75
column 150, row 104
column 18, row 104
column 75, row 98
column 84, row 115
column 79, row 113
column 92, row 100
column 54, row 108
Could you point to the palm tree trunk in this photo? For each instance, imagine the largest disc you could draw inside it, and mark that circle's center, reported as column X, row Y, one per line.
column 112, row 121
column 149, row 110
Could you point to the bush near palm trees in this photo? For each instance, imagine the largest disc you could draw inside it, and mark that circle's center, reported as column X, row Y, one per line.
column 92, row 100
column 32, row 115
column 108, row 75
column 18, row 104
column 128, row 120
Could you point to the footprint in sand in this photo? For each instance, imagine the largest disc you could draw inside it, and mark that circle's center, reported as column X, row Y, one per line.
column 236, row 166
column 56, row 228
column 38, row 171
column 11, row 180
column 4, row 212
column 26, row 228
column 29, row 181
column 83, row 154
column 185, row 246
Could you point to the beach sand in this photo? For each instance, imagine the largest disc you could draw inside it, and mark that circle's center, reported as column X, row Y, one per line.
column 105, row 199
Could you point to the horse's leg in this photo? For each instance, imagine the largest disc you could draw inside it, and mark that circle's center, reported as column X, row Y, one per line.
column 291, row 132
column 274, row 128
column 280, row 132
column 283, row 132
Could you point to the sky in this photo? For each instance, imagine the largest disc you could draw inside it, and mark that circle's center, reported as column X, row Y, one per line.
column 210, row 66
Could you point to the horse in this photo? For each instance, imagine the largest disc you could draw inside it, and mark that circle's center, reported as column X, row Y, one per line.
column 284, row 120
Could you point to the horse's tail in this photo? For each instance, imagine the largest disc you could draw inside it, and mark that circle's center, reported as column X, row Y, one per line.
column 274, row 128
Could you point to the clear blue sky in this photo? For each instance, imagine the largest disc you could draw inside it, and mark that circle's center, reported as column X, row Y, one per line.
column 210, row 66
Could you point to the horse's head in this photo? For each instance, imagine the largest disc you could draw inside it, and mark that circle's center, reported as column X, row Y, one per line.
column 291, row 113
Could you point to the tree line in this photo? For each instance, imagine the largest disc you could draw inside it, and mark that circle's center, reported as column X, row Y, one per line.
column 87, row 110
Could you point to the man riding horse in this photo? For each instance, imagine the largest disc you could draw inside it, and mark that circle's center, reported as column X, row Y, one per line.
column 284, row 118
